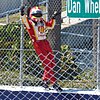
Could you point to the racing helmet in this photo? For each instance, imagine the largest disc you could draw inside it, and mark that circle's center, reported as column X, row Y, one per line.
column 35, row 12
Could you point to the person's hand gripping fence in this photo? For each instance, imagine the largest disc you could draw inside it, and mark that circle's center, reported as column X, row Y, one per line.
column 22, row 10
column 55, row 14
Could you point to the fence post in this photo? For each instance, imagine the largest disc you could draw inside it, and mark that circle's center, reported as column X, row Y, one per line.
column 46, row 10
column 95, row 43
column 21, row 51
column 33, row 3
column 98, row 57
column 7, row 18
column 55, row 34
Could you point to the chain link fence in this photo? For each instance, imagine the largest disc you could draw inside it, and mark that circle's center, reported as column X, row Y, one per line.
column 77, row 57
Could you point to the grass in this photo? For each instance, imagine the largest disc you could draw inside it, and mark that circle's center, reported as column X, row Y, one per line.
column 13, row 78
column 12, row 18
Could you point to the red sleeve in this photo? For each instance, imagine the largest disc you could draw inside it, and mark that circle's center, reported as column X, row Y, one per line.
column 50, row 23
column 29, row 28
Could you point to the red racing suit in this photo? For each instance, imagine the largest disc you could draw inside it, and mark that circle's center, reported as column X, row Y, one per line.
column 41, row 45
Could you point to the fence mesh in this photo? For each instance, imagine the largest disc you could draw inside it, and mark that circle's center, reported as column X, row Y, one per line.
column 76, row 60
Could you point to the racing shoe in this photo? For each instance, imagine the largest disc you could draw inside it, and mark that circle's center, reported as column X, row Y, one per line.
column 57, row 87
column 45, row 85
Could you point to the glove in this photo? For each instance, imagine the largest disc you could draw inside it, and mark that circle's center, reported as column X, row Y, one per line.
column 22, row 10
column 55, row 14
column 28, row 11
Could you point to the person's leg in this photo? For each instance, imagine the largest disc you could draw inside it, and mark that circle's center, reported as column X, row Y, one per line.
column 46, row 59
column 51, row 58
column 52, row 64
column 48, row 64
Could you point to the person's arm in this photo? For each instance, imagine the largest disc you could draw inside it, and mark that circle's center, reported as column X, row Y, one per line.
column 25, row 18
column 26, row 21
column 27, row 24
column 50, row 24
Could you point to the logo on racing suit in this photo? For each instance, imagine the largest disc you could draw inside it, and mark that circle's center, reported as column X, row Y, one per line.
column 41, row 29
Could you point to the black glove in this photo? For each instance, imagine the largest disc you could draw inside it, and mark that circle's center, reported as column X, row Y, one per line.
column 22, row 10
column 55, row 14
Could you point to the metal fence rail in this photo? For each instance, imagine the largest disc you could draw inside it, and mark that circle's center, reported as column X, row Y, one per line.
column 77, row 60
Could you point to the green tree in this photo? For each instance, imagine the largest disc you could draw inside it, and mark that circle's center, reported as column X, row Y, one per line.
column 68, row 67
